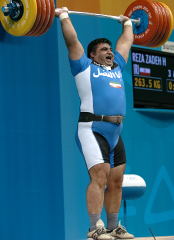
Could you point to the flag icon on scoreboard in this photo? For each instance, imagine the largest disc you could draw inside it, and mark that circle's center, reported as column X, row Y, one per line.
column 145, row 71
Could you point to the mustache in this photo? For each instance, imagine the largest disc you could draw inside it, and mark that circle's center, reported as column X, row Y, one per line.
column 110, row 56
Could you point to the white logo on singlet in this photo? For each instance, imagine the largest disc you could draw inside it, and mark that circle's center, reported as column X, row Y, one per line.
column 107, row 74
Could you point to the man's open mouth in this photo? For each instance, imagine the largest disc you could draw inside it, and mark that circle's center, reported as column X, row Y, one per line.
column 109, row 57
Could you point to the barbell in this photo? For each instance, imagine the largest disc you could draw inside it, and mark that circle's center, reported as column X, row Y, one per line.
column 152, row 20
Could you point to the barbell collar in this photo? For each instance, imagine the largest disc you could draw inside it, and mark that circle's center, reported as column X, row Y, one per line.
column 14, row 9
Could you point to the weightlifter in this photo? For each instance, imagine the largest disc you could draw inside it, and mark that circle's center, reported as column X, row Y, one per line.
column 98, row 77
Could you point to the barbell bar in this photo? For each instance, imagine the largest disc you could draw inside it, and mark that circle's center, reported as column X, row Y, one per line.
column 152, row 20
column 118, row 18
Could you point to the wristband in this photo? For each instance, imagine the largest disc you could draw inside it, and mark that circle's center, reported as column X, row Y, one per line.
column 128, row 23
column 63, row 16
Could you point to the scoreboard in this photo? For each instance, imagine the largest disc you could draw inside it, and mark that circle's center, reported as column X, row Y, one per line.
column 153, row 78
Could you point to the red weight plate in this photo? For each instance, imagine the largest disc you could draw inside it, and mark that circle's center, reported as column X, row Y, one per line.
column 47, row 17
column 167, row 29
column 38, row 18
column 160, row 27
column 170, row 23
column 52, row 15
column 42, row 19
column 156, row 25
column 171, row 16
column 153, row 20
column 165, row 26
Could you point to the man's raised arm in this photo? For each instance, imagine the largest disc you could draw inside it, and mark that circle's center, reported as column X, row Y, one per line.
column 126, row 39
column 74, row 46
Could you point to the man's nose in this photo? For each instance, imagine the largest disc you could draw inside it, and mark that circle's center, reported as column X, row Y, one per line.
column 110, row 52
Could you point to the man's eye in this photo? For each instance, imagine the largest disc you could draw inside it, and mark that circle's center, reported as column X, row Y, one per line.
column 106, row 49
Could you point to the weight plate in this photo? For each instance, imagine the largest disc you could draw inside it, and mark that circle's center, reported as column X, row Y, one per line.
column 171, row 16
column 38, row 18
column 164, row 26
column 52, row 15
column 160, row 28
column 170, row 23
column 43, row 17
column 47, row 17
column 167, row 29
column 149, row 20
column 25, row 23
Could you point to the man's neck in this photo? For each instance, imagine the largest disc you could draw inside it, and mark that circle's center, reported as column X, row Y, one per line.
column 104, row 66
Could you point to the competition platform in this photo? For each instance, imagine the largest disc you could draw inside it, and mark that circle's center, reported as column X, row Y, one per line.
column 148, row 238
column 156, row 238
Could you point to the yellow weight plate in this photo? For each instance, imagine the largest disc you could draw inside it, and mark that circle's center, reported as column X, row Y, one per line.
column 23, row 25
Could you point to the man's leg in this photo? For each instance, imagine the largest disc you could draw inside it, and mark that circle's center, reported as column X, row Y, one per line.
column 113, row 195
column 95, row 192
column 95, row 150
column 95, row 199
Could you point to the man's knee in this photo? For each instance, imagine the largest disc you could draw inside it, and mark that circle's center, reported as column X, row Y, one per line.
column 115, row 183
column 99, row 174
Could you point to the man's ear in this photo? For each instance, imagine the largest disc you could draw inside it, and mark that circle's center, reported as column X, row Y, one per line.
column 92, row 54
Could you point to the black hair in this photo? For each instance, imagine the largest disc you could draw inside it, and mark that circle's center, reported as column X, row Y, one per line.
column 93, row 45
